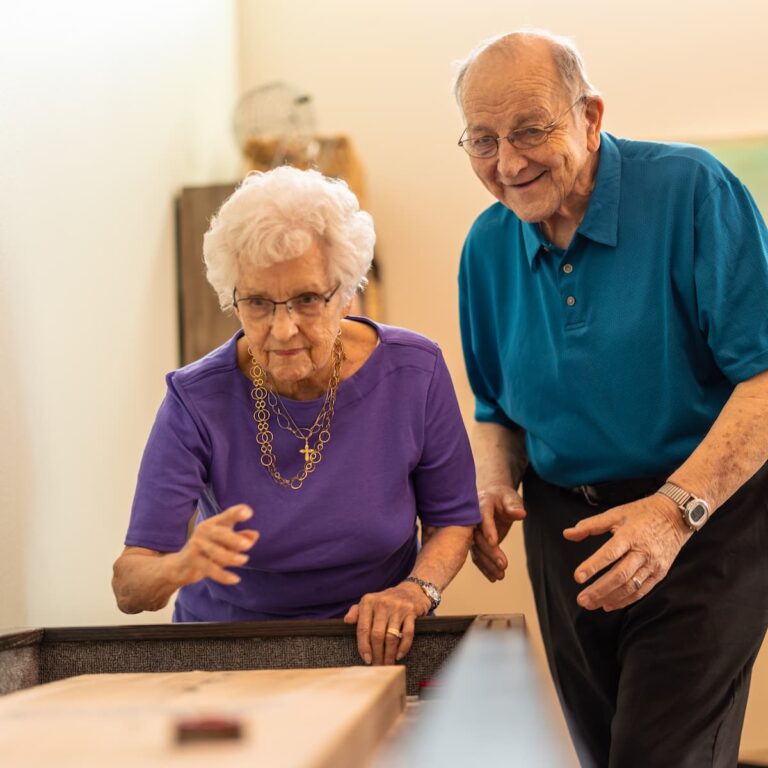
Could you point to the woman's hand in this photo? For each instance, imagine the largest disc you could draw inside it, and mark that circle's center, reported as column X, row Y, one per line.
column 213, row 547
column 386, row 620
column 500, row 506
column 647, row 537
column 144, row 579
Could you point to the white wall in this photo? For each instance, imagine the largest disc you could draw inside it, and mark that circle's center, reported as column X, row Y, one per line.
column 381, row 73
column 106, row 110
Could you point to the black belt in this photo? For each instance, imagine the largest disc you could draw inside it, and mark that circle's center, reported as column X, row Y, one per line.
column 616, row 492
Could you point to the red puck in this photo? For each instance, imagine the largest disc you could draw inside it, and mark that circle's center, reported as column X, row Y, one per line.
column 208, row 728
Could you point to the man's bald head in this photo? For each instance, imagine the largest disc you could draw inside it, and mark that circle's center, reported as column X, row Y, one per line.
column 524, row 45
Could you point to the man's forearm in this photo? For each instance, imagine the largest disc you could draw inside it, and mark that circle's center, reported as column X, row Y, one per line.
column 734, row 449
column 500, row 456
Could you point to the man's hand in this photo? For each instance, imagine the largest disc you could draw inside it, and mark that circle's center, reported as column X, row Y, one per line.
column 648, row 534
column 394, row 609
column 500, row 506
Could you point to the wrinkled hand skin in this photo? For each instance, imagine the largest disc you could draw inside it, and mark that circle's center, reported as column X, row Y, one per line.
column 396, row 607
column 647, row 536
column 214, row 546
column 500, row 506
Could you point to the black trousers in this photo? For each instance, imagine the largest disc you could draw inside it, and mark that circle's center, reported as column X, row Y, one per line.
column 662, row 683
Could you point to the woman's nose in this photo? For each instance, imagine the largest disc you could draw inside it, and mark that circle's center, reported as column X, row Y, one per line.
column 283, row 324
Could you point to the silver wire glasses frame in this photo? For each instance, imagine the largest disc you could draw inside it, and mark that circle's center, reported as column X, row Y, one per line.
column 305, row 305
column 487, row 146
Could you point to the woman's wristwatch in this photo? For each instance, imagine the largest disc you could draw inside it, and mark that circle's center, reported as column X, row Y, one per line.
column 695, row 512
column 429, row 589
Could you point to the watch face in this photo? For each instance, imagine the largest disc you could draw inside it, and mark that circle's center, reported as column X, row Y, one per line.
column 432, row 594
column 697, row 514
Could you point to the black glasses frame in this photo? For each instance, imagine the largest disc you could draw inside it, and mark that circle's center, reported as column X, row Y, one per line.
column 326, row 297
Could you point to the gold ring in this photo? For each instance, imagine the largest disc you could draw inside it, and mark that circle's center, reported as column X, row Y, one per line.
column 395, row 632
column 637, row 582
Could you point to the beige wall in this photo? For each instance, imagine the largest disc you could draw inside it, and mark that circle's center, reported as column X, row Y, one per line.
column 106, row 110
column 381, row 72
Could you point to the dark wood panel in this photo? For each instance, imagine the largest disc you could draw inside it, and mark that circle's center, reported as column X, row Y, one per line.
column 202, row 324
column 19, row 638
column 217, row 630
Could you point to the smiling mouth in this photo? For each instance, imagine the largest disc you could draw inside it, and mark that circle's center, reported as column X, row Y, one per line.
column 526, row 184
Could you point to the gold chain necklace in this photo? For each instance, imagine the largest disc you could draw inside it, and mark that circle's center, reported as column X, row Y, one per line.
column 265, row 399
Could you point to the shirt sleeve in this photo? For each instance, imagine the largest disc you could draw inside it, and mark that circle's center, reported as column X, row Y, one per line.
column 731, row 276
column 487, row 408
column 444, row 479
column 172, row 476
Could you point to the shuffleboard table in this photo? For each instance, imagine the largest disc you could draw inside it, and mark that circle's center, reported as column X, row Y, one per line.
column 469, row 692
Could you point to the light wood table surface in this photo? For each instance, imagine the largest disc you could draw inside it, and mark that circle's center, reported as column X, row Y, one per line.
column 302, row 718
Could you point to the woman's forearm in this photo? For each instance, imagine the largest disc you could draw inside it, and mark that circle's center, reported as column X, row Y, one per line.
column 443, row 554
column 143, row 580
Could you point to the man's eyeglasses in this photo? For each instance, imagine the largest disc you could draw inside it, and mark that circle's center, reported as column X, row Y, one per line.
column 522, row 138
column 305, row 306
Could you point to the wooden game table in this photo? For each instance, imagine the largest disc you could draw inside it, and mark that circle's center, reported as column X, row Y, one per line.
column 469, row 691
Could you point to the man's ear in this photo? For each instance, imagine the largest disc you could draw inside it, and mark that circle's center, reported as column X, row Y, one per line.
column 593, row 116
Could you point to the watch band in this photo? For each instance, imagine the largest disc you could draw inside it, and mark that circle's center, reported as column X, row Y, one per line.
column 679, row 495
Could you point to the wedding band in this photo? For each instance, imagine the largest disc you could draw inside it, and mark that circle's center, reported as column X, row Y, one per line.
column 395, row 632
column 637, row 582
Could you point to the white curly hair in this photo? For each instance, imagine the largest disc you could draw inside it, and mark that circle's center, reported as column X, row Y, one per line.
column 275, row 215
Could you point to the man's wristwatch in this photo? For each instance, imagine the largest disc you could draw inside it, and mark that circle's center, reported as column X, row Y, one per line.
column 429, row 589
column 695, row 512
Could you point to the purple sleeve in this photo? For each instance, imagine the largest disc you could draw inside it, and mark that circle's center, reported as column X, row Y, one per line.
column 172, row 476
column 444, row 479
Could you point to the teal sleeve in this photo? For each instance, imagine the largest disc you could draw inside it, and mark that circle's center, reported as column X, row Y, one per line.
column 485, row 390
column 731, row 277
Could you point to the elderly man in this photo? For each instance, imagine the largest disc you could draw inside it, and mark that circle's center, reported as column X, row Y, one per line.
column 614, row 316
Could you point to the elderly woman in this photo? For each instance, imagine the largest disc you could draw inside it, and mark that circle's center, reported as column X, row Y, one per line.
column 322, row 437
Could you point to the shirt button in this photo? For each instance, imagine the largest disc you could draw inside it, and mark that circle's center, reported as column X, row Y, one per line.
column 570, row 301
column 567, row 268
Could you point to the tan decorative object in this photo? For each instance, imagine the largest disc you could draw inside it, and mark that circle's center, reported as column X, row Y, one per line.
column 333, row 156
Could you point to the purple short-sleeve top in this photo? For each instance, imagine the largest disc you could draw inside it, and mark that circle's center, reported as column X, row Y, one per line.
column 398, row 451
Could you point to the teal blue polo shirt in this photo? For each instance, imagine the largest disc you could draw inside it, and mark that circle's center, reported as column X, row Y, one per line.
column 617, row 354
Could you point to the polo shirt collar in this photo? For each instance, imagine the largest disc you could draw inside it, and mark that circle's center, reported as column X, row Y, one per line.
column 601, row 220
column 533, row 240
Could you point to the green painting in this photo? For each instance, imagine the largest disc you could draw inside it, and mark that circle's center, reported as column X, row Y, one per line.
column 748, row 159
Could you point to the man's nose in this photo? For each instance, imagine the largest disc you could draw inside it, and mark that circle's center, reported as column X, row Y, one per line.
column 510, row 160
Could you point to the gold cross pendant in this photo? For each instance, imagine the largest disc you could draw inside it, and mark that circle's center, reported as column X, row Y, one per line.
column 307, row 451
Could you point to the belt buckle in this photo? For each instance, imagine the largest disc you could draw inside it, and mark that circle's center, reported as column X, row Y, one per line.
column 588, row 492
